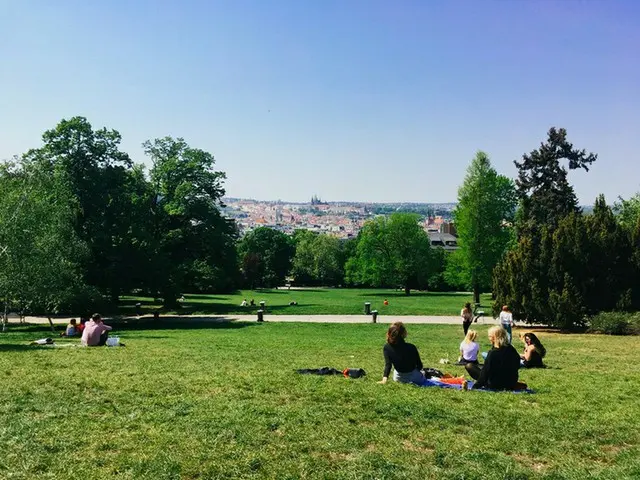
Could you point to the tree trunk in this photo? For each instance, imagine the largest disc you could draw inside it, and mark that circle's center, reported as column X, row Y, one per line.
column 476, row 294
column 407, row 290
column 51, row 323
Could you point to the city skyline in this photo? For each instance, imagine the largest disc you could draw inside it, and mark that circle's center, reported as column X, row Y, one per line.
column 361, row 101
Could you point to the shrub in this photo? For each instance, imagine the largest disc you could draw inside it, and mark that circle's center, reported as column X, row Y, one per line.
column 615, row 323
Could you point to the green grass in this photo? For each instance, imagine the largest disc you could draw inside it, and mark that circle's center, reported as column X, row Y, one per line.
column 195, row 400
column 319, row 301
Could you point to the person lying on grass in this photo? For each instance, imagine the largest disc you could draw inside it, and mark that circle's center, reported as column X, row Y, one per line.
column 500, row 370
column 534, row 351
column 403, row 356
column 95, row 332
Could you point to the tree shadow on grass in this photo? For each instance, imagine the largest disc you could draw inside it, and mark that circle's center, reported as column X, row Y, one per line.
column 178, row 323
column 417, row 293
column 17, row 347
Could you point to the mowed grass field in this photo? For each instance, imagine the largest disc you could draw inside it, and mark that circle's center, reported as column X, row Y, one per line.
column 202, row 400
column 317, row 301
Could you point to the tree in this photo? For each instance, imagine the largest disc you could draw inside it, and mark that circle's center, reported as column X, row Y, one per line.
column 483, row 218
column 391, row 251
column 265, row 256
column 628, row 211
column 41, row 257
column 547, row 273
column 543, row 190
column 318, row 259
column 105, row 186
column 193, row 245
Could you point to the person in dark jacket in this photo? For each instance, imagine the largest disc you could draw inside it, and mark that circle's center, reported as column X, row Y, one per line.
column 534, row 351
column 500, row 370
column 403, row 356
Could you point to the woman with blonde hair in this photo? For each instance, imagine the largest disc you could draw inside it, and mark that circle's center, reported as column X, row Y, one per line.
column 500, row 370
column 469, row 348
column 403, row 356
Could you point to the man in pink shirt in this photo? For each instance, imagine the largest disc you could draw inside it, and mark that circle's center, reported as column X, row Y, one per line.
column 95, row 332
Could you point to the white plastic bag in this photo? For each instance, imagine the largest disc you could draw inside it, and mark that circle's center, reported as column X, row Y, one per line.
column 113, row 341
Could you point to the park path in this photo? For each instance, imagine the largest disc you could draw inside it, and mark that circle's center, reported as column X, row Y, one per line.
column 385, row 319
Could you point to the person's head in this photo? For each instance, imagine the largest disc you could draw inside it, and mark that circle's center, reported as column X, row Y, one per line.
column 471, row 336
column 72, row 321
column 505, row 308
column 96, row 317
column 498, row 336
column 467, row 306
column 396, row 333
column 532, row 339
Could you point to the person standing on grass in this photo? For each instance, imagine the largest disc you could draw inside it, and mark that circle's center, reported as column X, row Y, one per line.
column 403, row 356
column 95, row 332
column 500, row 370
column 467, row 317
column 506, row 320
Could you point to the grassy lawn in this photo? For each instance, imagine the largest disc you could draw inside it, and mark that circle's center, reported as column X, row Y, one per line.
column 196, row 400
column 320, row 301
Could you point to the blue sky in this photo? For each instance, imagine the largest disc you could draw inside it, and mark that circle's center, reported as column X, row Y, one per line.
column 348, row 99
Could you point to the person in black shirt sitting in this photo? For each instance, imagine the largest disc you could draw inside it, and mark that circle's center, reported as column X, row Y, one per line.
column 403, row 356
column 500, row 370
column 534, row 351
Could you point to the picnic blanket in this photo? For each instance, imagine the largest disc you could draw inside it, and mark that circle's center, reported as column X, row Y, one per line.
column 435, row 382
column 347, row 372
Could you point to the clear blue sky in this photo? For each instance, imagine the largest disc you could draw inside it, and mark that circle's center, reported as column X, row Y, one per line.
column 348, row 99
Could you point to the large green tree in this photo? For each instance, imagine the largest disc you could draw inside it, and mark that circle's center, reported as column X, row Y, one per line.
column 265, row 257
column 110, row 195
column 192, row 244
column 483, row 219
column 391, row 251
column 543, row 189
column 41, row 256
column 319, row 259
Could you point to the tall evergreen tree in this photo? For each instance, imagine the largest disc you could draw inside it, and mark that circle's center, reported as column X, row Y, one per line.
column 543, row 189
column 483, row 218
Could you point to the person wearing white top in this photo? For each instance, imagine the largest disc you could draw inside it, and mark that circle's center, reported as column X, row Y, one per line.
column 506, row 319
column 469, row 348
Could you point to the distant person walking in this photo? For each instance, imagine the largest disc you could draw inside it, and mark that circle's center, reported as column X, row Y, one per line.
column 467, row 317
column 506, row 320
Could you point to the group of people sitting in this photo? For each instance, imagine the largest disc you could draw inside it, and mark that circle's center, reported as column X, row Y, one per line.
column 501, row 364
column 92, row 332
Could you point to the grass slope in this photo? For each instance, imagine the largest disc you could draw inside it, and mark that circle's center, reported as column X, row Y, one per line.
column 319, row 301
column 203, row 400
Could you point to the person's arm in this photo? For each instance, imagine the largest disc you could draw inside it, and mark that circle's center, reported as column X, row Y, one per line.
column 418, row 360
column 528, row 351
column 484, row 373
column 387, row 365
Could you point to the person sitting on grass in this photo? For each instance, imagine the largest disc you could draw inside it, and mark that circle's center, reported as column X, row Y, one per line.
column 500, row 370
column 244, row 303
column 534, row 352
column 71, row 330
column 95, row 332
column 403, row 356
column 469, row 348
